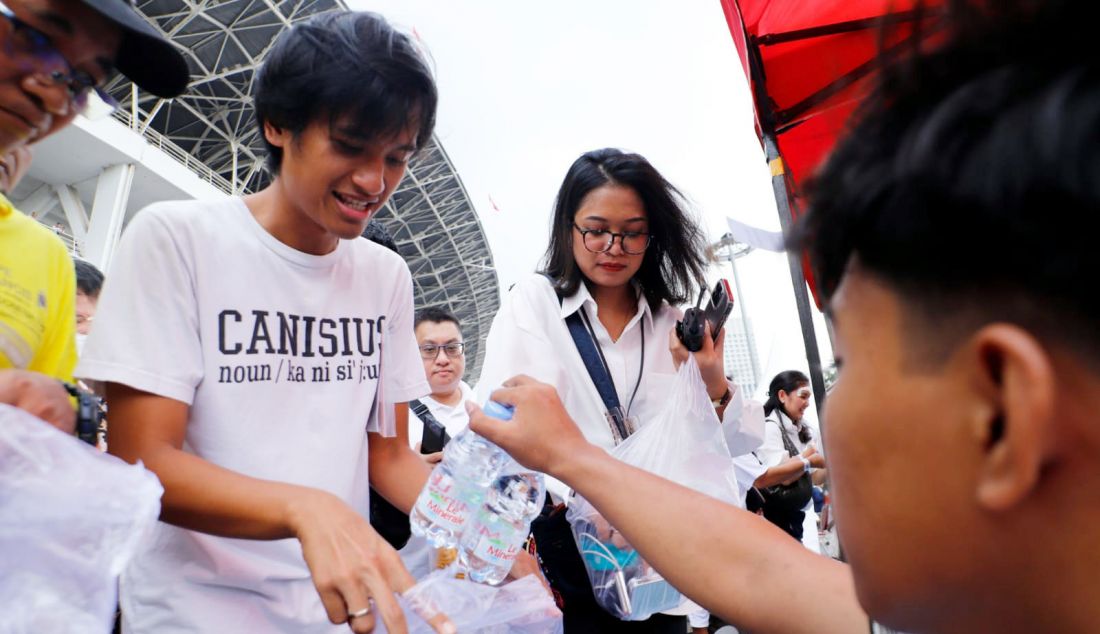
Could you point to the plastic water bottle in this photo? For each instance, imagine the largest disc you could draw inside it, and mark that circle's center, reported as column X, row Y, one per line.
column 494, row 538
column 456, row 487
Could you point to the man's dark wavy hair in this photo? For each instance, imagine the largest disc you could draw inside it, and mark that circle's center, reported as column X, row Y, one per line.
column 673, row 263
column 345, row 64
column 970, row 182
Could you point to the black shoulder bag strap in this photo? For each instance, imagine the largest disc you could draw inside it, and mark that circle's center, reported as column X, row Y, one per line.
column 601, row 378
column 431, row 423
column 788, row 444
column 597, row 371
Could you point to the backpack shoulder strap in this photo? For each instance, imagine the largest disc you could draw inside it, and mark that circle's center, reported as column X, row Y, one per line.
column 425, row 415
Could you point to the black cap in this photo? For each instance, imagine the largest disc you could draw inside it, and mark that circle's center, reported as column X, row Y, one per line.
column 144, row 56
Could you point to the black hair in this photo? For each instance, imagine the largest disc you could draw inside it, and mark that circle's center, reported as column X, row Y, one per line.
column 673, row 264
column 89, row 279
column 788, row 381
column 971, row 180
column 436, row 314
column 377, row 233
column 345, row 64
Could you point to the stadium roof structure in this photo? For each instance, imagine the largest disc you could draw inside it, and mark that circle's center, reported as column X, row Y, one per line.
column 430, row 215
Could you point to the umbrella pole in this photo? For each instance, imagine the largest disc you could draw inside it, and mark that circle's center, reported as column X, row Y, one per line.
column 794, row 260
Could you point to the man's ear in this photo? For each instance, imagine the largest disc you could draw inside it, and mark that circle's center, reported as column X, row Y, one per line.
column 279, row 137
column 1016, row 376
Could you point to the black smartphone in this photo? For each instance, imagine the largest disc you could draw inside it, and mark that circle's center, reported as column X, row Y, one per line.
column 434, row 438
column 719, row 307
column 690, row 329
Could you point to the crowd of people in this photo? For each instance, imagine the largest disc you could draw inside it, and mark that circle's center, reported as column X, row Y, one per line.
column 278, row 404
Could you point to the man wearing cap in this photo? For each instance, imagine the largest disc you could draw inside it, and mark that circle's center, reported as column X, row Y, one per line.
column 54, row 54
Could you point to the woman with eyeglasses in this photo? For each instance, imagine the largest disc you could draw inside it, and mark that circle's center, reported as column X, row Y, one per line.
column 788, row 455
column 623, row 253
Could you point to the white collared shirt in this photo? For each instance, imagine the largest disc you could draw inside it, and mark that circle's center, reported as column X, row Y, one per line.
column 529, row 336
column 773, row 452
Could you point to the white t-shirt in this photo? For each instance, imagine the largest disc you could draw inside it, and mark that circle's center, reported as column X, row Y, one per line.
column 529, row 336
column 278, row 354
column 454, row 419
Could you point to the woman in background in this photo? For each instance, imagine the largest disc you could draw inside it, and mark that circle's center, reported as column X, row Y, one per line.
column 623, row 253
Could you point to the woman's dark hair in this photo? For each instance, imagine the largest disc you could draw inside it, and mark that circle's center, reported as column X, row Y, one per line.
column 673, row 263
column 788, row 382
column 345, row 64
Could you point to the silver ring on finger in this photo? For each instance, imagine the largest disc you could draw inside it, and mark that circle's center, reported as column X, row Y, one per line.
column 358, row 613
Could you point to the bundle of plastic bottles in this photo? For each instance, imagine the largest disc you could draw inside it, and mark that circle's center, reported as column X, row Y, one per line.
column 480, row 502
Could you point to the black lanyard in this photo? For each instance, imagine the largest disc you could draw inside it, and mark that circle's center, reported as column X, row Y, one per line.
column 607, row 368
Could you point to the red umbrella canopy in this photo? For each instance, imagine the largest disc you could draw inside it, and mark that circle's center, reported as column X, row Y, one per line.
column 808, row 62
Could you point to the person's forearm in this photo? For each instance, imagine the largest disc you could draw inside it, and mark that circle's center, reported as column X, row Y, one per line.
column 396, row 472
column 202, row 496
column 198, row 494
column 783, row 473
column 735, row 564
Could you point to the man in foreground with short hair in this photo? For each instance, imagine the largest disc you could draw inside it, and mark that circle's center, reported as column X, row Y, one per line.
column 254, row 349
column 961, row 359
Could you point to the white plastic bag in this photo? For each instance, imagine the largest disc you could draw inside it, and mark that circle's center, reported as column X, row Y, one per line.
column 518, row 607
column 70, row 520
column 685, row 444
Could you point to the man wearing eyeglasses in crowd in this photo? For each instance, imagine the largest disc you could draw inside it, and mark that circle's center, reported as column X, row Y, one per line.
column 54, row 57
column 442, row 350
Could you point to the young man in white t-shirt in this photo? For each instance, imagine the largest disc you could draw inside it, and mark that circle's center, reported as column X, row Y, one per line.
column 442, row 351
column 253, row 350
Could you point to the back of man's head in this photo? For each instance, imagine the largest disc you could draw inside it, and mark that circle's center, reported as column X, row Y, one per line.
column 973, row 180
column 951, row 232
column 377, row 233
column 89, row 279
column 345, row 64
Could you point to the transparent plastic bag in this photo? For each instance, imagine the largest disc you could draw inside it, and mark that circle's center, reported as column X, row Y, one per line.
column 518, row 607
column 70, row 520
column 685, row 444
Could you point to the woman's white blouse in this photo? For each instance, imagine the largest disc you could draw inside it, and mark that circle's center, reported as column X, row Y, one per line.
column 773, row 451
column 529, row 336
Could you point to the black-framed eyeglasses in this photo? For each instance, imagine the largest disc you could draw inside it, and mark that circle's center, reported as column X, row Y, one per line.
column 27, row 40
column 601, row 240
column 453, row 350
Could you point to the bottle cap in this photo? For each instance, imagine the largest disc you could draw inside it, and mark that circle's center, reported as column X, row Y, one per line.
column 496, row 410
column 445, row 557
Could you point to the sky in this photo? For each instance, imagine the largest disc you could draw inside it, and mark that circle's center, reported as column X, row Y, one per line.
column 527, row 87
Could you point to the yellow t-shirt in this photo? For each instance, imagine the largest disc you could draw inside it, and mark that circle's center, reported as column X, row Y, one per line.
column 37, row 297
